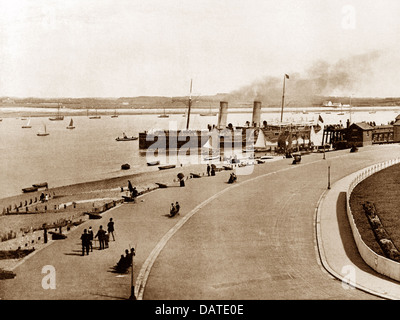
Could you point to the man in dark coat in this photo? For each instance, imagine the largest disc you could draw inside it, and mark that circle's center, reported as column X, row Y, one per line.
column 101, row 234
column 110, row 228
column 85, row 237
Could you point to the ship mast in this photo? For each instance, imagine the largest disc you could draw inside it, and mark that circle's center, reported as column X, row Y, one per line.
column 189, row 106
column 283, row 94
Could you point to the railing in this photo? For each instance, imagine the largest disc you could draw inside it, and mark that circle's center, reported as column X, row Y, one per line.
column 382, row 265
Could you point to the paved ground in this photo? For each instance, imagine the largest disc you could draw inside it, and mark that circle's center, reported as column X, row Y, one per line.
column 255, row 239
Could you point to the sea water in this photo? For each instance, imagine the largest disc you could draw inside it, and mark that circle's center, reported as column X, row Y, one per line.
column 90, row 152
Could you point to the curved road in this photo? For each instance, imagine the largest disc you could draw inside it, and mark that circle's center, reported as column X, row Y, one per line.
column 257, row 239
column 251, row 240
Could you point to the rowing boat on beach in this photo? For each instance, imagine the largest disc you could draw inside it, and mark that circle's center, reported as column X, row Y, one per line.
column 166, row 167
column 41, row 185
column 153, row 163
column 30, row 189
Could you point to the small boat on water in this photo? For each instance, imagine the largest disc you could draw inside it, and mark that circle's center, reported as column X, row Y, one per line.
column 42, row 134
column 125, row 166
column 115, row 114
column 71, row 124
column 153, row 163
column 166, row 167
column 58, row 117
column 126, row 138
column 95, row 117
column 164, row 115
column 28, row 125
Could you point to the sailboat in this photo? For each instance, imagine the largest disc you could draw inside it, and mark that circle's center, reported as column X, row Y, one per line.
column 42, row 134
column 58, row 117
column 260, row 145
column 28, row 125
column 209, row 114
column 71, row 124
column 95, row 117
column 209, row 152
column 115, row 114
column 164, row 115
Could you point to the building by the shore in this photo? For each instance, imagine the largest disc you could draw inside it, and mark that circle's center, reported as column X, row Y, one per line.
column 361, row 134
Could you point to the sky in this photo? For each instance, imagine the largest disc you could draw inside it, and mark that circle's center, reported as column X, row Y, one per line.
column 128, row 48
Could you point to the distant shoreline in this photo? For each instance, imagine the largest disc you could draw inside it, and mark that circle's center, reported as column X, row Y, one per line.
column 14, row 111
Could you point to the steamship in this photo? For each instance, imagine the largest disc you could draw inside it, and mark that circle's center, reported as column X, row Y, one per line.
column 222, row 136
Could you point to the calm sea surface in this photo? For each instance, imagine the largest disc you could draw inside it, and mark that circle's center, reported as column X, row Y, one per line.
column 90, row 151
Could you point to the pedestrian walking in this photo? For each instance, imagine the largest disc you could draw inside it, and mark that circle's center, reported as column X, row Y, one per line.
column 208, row 169
column 90, row 232
column 177, row 207
column 110, row 228
column 85, row 242
column 101, row 236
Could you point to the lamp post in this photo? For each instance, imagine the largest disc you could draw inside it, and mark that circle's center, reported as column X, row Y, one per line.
column 132, row 297
column 329, row 175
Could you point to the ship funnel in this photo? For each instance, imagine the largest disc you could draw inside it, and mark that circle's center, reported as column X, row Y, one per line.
column 223, row 114
column 256, row 114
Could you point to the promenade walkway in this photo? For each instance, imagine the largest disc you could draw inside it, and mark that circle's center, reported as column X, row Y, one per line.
column 254, row 239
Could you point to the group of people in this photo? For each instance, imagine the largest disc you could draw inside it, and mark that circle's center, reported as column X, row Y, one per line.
column 102, row 235
column 174, row 209
column 232, row 178
column 125, row 261
column 44, row 197
column 210, row 170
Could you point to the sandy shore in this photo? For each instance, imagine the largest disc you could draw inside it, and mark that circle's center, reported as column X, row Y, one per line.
column 87, row 195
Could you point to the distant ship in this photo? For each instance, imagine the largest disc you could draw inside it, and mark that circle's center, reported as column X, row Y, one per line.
column 95, row 117
column 164, row 115
column 58, row 117
column 115, row 114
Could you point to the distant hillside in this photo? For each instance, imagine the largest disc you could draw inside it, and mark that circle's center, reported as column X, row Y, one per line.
column 152, row 102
